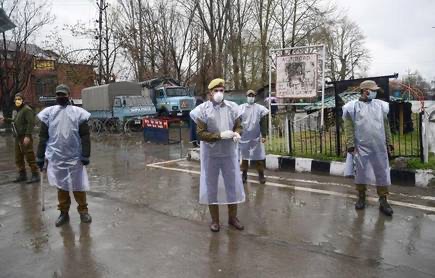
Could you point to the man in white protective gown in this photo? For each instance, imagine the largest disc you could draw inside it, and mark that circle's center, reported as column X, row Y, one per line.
column 64, row 141
column 254, row 124
column 368, row 138
column 218, row 129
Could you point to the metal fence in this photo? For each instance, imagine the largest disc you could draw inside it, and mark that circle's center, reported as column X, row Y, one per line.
column 301, row 135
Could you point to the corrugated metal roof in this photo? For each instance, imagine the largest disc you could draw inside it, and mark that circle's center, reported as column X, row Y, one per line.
column 330, row 101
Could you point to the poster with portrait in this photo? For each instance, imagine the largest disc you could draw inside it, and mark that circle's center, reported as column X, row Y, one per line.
column 296, row 76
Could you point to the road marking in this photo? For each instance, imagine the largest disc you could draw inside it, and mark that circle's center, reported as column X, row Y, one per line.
column 315, row 182
column 298, row 188
column 166, row 162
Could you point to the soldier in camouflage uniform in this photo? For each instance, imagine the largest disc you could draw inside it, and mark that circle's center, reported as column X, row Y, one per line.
column 22, row 126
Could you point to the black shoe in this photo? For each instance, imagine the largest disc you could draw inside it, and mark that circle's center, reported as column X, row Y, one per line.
column 85, row 217
column 361, row 202
column 385, row 207
column 22, row 176
column 261, row 178
column 62, row 219
column 35, row 178
column 244, row 176
column 234, row 221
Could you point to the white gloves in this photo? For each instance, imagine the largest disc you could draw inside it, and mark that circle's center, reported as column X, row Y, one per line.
column 227, row 134
column 236, row 137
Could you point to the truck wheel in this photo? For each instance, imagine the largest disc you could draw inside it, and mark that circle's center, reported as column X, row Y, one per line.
column 112, row 125
column 96, row 126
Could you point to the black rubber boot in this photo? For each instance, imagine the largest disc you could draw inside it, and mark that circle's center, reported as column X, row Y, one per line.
column 244, row 176
column 361, row 202
column 62, row 219
column 85, row 217
column 35, row 178
column 261, row 178
column 21, row 177
column 384, row 206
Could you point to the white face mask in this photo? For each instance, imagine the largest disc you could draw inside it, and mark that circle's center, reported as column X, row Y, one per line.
column 372, row 95
column 218, row 97
column 251, row 100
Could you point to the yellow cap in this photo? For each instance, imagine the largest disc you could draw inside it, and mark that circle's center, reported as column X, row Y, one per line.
column 218, row 82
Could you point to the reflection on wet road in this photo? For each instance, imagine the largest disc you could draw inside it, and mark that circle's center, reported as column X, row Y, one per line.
column 148, row 223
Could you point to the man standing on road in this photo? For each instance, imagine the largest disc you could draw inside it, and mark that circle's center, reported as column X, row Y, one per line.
column 219, row 128
column 254, row 123
column 22, row 127
column 64, row 141
column 369, row 140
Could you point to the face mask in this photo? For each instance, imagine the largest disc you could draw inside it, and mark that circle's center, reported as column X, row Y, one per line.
column 372, row 95
column 218, row 97
column 251, row 100
column 63, row 101
column 18, row 102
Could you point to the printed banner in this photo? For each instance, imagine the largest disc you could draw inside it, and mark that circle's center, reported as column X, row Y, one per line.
column 296, row 76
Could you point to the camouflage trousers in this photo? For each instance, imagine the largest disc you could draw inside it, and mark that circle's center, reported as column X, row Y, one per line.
column 25, row 152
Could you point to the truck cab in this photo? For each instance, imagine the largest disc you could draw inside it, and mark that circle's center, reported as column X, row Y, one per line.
column 174, row 101
column 169, row 97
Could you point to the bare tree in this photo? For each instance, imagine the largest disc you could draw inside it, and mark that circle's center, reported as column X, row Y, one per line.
column 212, row 16
column 16, row 56
column 347, row 54
column 263, row 13
column 238, row 16
column 297, row 19
column 110, row 49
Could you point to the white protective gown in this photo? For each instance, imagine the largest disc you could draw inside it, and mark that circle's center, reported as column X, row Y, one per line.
column 371, row 157
column 63, row 152
column 220, row 181
column 251, row 147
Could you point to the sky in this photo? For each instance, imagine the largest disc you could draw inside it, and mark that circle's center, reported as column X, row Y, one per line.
column 399, row 33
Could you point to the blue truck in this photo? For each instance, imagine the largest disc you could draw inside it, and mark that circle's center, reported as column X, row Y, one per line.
column 168, row 96
column 117, row 103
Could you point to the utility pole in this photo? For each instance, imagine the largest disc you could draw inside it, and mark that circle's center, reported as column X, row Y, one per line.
column 101, row 7
column 106, row 39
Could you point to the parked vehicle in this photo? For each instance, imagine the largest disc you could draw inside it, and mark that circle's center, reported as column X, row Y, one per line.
column 168, row 96
column 115, row 104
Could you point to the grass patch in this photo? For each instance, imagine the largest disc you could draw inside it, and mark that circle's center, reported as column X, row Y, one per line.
column 415, row 163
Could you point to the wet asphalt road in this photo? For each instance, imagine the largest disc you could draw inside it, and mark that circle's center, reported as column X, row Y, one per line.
column 147, row 223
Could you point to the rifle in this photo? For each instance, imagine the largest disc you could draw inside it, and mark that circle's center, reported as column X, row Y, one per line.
column 14, row 129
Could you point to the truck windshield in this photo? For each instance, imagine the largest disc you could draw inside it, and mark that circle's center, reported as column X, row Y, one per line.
column 177, row 92
column 133, row 101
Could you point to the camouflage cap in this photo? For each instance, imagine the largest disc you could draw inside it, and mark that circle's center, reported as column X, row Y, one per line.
column 62, row 89
column 218, row 82
column 369, row 84
column 251, row 92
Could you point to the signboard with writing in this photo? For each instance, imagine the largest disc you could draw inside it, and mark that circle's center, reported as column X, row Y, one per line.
column 40, row 64
column 296, row 76
column 154, row 123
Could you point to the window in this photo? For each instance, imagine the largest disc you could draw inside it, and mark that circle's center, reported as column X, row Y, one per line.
column 138, row 101
column 177, row 92
column 117, row 102
column 160, row 93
